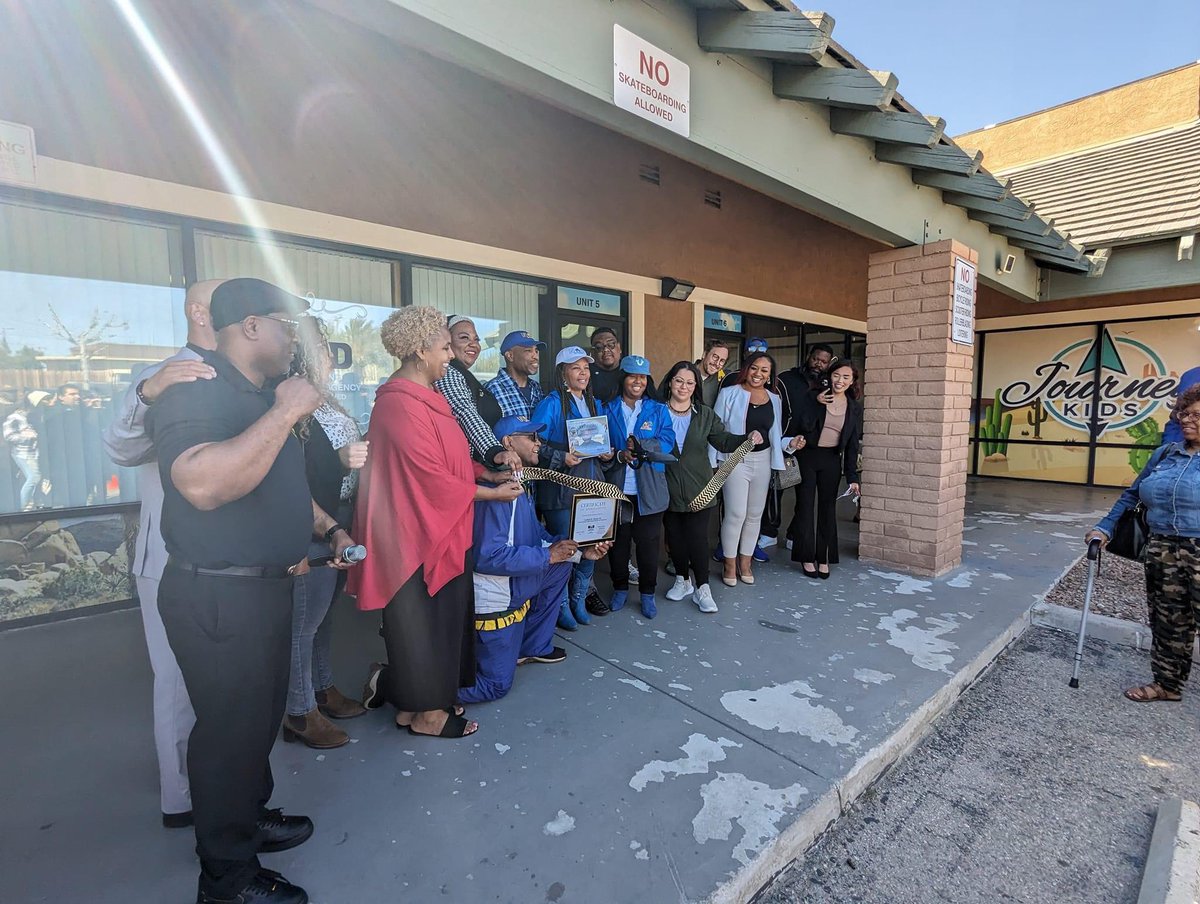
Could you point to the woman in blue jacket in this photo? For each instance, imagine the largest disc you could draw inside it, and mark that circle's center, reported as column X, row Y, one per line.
column 1169, row 488
column 633, row 420
column 570, row 399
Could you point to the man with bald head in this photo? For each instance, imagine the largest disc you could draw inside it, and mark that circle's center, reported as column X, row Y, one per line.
column 127, row 445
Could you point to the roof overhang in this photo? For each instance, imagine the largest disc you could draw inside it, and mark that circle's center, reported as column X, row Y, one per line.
column 826, row 134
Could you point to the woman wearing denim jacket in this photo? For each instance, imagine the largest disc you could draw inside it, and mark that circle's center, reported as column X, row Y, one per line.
column 1169, row 488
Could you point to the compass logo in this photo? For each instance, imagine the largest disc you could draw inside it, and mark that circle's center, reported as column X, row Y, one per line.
column 1121, row 380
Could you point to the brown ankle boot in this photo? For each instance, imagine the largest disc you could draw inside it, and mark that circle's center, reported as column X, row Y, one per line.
column 314, row 730
column 333, row 703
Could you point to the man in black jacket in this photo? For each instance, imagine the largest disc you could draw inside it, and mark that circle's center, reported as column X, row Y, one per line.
column 797, row 383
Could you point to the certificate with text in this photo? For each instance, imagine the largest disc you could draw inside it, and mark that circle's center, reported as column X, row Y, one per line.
column 593, row 519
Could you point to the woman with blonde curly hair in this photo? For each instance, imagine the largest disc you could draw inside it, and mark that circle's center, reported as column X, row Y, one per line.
column 415, row 510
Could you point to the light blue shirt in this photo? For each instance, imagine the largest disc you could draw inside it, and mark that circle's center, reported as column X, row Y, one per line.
column 631, row 416
column 680, row 424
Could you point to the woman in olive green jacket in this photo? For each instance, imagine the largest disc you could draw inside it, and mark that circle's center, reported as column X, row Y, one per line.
column 696, row 426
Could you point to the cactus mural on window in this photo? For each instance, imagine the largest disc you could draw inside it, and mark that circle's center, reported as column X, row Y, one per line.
column 995, row 430
column 1035, row 417
column 1148, row 436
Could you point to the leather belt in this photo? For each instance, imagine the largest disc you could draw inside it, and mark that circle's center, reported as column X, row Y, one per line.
column 232, row 571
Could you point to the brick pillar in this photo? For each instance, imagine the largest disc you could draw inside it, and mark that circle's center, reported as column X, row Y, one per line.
column 917, row 412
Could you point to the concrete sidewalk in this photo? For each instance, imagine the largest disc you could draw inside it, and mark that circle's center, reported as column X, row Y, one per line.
column 667, row 761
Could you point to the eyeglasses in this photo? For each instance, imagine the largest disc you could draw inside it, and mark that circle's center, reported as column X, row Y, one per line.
column 606, row 346
column 1189, row 417
column 288, row 322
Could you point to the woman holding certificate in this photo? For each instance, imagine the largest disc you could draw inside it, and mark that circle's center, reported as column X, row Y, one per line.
column 745, row 407
column 641, row 430
column 695, row 427
column 574, row 440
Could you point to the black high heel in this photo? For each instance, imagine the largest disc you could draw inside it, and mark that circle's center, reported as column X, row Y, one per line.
column 809, row 574
column 823, row 575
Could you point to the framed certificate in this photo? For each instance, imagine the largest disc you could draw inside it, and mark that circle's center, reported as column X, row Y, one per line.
column 588, row 437
column 593, row 519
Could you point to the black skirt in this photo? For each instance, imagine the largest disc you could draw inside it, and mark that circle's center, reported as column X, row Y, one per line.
column 430, row 643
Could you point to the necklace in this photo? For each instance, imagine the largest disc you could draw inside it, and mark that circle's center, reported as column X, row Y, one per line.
column 671, row 405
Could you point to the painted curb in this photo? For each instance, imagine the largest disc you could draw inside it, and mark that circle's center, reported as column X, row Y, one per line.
column 1102, row 627
column 797, row 838
column 1172, row 873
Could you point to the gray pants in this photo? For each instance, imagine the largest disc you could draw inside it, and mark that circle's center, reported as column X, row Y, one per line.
column 173, row 716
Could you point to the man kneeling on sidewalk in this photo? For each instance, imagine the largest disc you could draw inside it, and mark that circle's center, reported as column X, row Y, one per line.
column 521, row 575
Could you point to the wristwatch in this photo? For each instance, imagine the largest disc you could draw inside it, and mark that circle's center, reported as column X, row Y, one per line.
column 138, row 393
column 333, row 530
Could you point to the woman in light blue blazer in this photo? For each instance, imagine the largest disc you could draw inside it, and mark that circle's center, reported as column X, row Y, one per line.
column 746, row 406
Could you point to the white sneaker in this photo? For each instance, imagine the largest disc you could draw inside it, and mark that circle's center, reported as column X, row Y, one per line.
column 789, row 544
column 683, row 588
column 633, row 572
column 703, row 599
column 767, row 542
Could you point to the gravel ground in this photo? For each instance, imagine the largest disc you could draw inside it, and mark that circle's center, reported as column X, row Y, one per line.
column 1026, row 791
column 1120, row 589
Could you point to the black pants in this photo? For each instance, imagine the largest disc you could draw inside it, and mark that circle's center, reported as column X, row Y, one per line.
column 644, row 532
column 817, row 540
column 232, row 637
column 773, row 513
column 687, row 543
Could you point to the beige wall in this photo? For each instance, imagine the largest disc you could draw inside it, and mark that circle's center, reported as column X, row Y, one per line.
column 321, row 116
column 1153, row 103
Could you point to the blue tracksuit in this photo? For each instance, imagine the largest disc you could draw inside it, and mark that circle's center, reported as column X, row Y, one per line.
column 533, row 588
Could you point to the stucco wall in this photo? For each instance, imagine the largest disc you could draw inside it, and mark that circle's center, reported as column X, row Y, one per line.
column 1143, row 106
column 320, row 115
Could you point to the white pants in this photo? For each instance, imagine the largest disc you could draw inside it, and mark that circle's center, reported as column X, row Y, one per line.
column 745, row 496
column 173, row 716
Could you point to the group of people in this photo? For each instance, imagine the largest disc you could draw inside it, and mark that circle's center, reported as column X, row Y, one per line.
column 53, row 440
column 452, row 520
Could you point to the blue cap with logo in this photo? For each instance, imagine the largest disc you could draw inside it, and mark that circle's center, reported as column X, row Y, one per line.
column 635, row 364
column 519, row 338
column 756, row 344
column 511, row 424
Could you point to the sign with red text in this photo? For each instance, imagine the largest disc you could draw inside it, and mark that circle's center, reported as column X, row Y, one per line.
column 18, row 156
column 650, row 82
column 962, row 329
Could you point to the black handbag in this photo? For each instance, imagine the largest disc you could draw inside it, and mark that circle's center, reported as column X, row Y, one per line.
column 1130, row 534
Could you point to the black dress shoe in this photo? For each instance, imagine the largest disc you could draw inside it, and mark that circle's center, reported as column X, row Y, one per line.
column 281, row 833
column 177, row 820
column 595, row 604
column 267, row 886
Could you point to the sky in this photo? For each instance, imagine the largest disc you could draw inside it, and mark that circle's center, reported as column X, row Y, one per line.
column 975, row 64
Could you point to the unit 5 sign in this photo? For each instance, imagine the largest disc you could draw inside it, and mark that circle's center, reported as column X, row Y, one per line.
column 650, row 83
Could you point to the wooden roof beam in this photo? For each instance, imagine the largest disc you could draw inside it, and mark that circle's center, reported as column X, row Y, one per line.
column 981, row 185
column 850, row 89
column 1004, row 225
column 891, row 126
column 785, row 36
column 1066, row 264
column 943, row 158
column 1051, row 244
column 1007, row 208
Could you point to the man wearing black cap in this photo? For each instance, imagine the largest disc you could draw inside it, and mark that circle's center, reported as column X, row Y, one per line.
column 236, row 520
column 515, row 387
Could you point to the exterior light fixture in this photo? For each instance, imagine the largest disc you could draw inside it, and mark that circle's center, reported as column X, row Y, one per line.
column 1006, row 264
column 677, row 289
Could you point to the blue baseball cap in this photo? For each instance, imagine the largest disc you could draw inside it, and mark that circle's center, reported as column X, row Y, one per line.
column 519, row 338
column 571, row 354
column 635, row 364
column 511, row 424
column 756, row 344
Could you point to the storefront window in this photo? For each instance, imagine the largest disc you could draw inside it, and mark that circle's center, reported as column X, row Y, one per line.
column 496, row 304
column 351, row 294
column 1106, row 389
column 86, row 301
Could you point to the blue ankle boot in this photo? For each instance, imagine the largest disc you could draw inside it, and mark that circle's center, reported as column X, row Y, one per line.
column 566, row 620
column 649, row 609
column 617, row 602
column 579, row 609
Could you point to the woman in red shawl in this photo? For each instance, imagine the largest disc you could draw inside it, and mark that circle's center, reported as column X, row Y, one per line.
column 415, row 510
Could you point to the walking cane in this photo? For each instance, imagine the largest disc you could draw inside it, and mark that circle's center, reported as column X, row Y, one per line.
column 1093, row 555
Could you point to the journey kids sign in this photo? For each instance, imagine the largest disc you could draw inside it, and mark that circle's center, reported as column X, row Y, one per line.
column 1072, row 385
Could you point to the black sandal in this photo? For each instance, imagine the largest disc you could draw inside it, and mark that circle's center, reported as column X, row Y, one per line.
column 455, row 727
column 456, row 710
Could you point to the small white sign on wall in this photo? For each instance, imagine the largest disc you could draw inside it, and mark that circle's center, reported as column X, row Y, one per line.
column 651, row 83
column 962, row 329
column 18, row 155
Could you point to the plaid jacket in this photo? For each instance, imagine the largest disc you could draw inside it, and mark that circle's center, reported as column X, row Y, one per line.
column 508, row 394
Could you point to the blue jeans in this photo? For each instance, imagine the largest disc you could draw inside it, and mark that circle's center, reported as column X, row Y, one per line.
column 558, row 523
column 312, row 596
column 27, row 463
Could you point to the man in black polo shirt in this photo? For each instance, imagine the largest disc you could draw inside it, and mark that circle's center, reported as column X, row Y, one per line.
column 236, row 518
